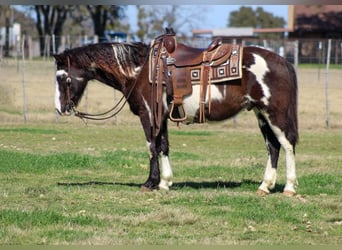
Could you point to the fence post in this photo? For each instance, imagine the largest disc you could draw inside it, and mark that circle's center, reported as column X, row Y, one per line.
column 23, row 80
column 296, row 52
column 327, row 85
column 30, row 48
column 319, row 60
column 53, row 44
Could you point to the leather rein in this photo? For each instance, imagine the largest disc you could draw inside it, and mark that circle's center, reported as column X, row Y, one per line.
column 104, row 115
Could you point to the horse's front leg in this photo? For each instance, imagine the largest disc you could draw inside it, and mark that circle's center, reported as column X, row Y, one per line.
column 166, row 175
column 154, row 175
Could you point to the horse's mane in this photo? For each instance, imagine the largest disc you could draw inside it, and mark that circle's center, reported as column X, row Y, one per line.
column 108, row 55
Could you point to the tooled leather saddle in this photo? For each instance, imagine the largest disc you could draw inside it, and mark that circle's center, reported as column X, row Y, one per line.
column 183, row 66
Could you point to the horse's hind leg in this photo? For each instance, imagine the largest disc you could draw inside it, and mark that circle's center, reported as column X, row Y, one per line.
column 278, row 139
column 273, row 147
column 291, row 180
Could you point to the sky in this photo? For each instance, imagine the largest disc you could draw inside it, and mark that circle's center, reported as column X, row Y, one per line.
column 216, row 16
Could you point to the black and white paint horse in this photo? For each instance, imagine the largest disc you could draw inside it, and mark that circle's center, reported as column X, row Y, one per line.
column 268, row 87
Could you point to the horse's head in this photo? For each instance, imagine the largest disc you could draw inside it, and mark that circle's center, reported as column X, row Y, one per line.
column 70, row 84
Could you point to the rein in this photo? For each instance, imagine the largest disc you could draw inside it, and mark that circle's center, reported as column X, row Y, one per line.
column 99, row 116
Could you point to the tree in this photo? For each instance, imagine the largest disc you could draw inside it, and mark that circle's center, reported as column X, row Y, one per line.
column 5, row 21
column 7, row 29
column 152, row 19
column 247, row 17
column 244, row 17
column 104, row 16
column 50, row 20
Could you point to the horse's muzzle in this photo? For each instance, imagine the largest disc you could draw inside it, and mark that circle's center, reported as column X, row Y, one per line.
column 66, row 111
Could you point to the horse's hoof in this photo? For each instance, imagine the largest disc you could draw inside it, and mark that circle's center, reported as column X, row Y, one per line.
column 289, row 193
column 261, row 192
column 145, row 189
column 165, row 185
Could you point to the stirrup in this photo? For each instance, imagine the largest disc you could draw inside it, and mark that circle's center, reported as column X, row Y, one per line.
column 181, row 119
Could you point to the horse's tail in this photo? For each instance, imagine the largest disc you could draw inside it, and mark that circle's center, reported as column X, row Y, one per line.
column 292, row 110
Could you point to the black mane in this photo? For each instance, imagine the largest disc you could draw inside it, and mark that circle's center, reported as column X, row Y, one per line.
column 128, row 53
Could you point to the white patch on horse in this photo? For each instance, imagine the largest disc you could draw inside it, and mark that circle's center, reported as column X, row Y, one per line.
column 61, row 72
column 259, row 69
column 115, row 50
column 191, row 102
column 164, row 98
column 58, row 104
column 93, row 66
column 148, row 109
column 136, row 71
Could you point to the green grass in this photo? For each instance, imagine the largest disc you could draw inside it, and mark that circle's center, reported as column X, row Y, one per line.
column 75, row 185
column 317, row 66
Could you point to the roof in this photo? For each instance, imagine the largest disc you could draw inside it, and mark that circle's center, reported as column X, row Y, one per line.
column 238, row 32
column 318, row 17
column 310, row 10
column 233, row 31
column 227, row 32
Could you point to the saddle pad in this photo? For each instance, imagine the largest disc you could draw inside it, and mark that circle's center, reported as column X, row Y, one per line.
column 229, row 70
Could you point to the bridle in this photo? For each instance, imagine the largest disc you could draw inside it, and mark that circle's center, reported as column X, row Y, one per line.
column 104, row 115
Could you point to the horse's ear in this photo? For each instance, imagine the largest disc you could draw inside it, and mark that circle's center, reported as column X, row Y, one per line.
column 169, row 30
column 59, row 57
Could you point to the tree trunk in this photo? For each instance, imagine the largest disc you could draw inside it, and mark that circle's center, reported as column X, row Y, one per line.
column 50, row 21
column 7, row 31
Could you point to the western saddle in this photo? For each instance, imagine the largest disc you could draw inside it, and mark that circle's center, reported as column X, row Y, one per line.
column 179, row 67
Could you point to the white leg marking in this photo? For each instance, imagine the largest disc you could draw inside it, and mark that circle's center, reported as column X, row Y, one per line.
column 270, row 177
column 259, row 69
column 166, row 170
column 167, row 175
column 291, row 179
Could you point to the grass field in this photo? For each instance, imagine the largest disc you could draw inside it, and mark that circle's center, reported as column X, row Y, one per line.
column 67, row 183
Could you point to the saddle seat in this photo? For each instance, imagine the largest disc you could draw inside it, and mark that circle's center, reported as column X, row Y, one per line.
column 185, row 56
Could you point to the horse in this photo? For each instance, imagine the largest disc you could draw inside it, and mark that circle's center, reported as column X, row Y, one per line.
column 268, row 87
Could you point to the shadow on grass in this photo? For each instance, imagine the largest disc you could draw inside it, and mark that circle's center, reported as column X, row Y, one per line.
column 244, row 185
column 249, row 185
column 97, row 183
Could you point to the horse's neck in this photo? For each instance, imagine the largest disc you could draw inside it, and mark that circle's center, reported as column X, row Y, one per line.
column 106, row 76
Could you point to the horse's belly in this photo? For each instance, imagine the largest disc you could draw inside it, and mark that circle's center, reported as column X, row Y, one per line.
column 192, row 102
